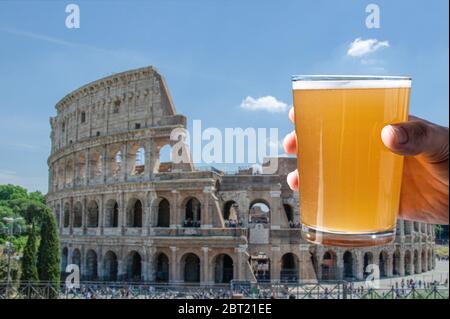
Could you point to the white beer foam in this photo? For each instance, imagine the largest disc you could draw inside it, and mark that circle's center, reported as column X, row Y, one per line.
column 353, row 83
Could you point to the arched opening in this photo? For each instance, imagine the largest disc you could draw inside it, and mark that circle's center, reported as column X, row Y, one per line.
column 69, row 172
column 77, row 215
column 348, row 265
column 396, row 263
column 91, row 265
column 165, row 159
column 110, row 266
column 289, row 212
column 383, row 264
column 230, row 210
column 134, row 216
column 289, row 268
column 329, row 266
column 162, row 268
column 66, row 215
column 163, row 213
column 408, row 265
column 223, row 269
column 92, row 214
column 134, row 267
column 416, row 262
column 259, row 212
column 112, row 213
column 76, row 258
column 368, row 260
column 191, row 267
column 138, row 160
column 424, row 260
column 64, row 259
column 192, row 213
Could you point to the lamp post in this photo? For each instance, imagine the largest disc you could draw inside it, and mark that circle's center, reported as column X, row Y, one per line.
column 11, row 221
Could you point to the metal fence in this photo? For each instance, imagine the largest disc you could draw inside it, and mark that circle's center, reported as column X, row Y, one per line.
column 104, row 290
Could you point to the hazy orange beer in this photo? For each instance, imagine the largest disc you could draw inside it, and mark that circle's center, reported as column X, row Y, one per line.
column 349, row 181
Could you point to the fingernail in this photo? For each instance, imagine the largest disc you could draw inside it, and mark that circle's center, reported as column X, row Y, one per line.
column 401, row 137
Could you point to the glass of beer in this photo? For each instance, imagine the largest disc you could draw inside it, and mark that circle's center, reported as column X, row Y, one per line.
column 349, row 182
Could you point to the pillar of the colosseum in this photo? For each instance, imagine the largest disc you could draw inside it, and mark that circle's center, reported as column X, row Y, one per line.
column 83, row 262
column 400, row 227
column 389, row 266
column 401, row 263
column 121, row 268
column 206, row 209
column 64, row 172
column 88, row 166
column 150, row 271
column 275, row 263
column 149, row 158
column 84, row 215
column 175, row 214
column 74, row 167
column 124, row 164
column 104, row 160
column 359, row 265
column 61, row 215
column 101, row 214
column 100, row 271
column 339, row 265
column 175, row 275
column 275, row 209
column 122, row 212
column 204, row 274
column 71, row 215
column 242, row 263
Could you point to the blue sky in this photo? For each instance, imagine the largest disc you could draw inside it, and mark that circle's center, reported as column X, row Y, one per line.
column 213, row 55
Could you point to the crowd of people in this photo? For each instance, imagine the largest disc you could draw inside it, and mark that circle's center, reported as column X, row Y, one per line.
column 191, row 223
column 233, row 223
column 293, row 224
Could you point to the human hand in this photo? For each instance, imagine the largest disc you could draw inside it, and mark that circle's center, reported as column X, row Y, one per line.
column 424, row 190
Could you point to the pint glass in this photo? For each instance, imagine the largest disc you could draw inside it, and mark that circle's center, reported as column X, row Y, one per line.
column 349, row 182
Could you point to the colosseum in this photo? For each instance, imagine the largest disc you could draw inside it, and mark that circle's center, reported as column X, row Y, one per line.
column 125, row 214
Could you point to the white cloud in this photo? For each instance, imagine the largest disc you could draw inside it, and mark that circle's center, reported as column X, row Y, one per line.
column 266, row 103
column 359, row 47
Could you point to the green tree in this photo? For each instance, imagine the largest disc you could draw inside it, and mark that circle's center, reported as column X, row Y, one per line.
column 48, row 262
column 29, row 270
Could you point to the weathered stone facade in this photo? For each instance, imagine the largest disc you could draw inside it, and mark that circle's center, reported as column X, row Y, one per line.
column 124, row 215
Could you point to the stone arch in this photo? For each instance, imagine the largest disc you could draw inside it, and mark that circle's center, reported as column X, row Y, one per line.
column 259, row 212
column 417, row 266
column 135, row 212
column 223, row 268
column 383, row 264
column 66, row 215
column 92, row 214
column 69, row 172
column 192, row 212
column 289, row 268
column 349, row 265
column 230, row 210
column 77, row 215
column 289, row 212
column 110, row 266
column 64, row 259
column 91, row 265
column 134, row 267
column 190, row 264
column 162, row 268
column 76, row 258
column 137, row 160
column 112, row 213
column 163, row 216
column 368, row 260
column 396, row 262
column 408, row 263
column 329, row 265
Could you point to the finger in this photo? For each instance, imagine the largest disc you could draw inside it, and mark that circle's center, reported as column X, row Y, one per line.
column 290, row 143
column 292, row 180
column 417, row 137
column 292, row 115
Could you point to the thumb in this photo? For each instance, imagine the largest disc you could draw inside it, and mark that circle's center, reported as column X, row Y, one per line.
column 417, row 137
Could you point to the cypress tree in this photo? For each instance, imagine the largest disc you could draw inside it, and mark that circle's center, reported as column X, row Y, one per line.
column 48, row 253
column 29, row 270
